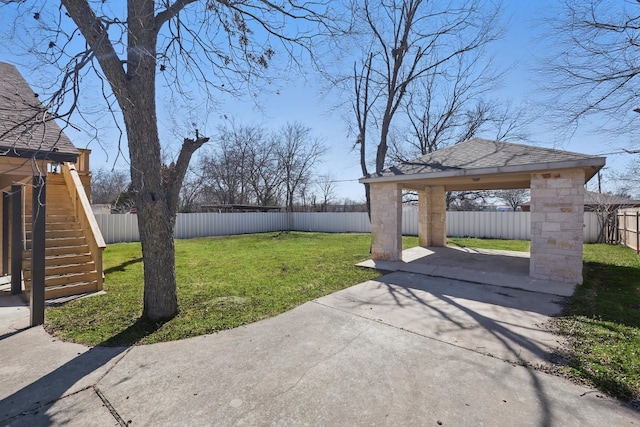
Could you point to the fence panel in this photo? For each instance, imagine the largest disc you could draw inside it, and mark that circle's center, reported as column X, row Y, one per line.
column 118, row 227
column 331, row 222
column 224, row 224
column 629, row 228
column 497, row 225
column 124, row 227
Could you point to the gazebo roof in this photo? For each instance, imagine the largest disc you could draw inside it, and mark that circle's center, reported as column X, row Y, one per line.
column 479, row 164
column 26, row 129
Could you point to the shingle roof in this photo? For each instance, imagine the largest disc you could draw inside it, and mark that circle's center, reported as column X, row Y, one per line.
column 485, row 156
column 26, row 129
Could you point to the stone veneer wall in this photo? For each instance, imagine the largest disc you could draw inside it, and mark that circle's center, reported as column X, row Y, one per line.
column 386, row 221
column 432, row 216
column 557, row 210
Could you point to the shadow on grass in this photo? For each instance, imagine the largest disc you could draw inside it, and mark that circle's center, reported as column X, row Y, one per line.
column 609, row 293
column 603, row 320
column 121, row 267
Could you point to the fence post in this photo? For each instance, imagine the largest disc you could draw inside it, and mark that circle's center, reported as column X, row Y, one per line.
column 637, row 233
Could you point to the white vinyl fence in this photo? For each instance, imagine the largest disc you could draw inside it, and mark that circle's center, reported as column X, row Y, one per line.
column 497, row 225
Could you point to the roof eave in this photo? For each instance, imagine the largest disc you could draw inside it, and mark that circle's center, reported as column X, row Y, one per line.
column 53, row 156
column 592, row 162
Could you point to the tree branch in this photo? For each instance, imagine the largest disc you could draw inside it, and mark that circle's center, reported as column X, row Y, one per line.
column 178, row 171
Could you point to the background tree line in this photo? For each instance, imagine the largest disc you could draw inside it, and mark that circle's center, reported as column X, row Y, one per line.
column 243, row 165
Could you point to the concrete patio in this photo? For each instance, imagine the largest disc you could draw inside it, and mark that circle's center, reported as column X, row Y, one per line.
column 491, row 267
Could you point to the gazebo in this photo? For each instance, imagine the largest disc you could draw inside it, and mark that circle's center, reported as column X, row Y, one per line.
column 556, row 179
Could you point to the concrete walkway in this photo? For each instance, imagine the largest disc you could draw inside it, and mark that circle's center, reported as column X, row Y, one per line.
column 405, row 349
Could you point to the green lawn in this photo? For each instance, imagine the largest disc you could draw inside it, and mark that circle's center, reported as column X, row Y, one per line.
column 223, row 283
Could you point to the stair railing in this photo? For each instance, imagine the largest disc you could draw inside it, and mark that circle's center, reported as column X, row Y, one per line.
column 82, row 209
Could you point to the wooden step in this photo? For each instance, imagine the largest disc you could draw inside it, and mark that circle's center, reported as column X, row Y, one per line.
column 62, row 259
column 60, row 291
column 59, row 233
column 53, row 218
column 54, row 204
column 65, row 279
column 59, row 270
column 61, row 242
column 57, row 226
column 60, row 250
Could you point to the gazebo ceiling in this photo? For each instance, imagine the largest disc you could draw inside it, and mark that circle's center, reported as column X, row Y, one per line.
column 480, row 164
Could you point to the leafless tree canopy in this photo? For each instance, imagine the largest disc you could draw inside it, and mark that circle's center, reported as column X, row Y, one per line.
column 106, row 186
column 251, row 165
column 513, row 197
column 423, row 70
column 596, row 61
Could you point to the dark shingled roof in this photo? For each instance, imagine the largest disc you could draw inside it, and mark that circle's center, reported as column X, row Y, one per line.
column 485, row 156
column 26, row 129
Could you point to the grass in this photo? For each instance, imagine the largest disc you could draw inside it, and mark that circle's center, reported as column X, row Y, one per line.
column 505, row 245
column 602, row 319
column 222, row 283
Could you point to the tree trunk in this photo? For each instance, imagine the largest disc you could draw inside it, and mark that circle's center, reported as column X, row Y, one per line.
column 155, row 220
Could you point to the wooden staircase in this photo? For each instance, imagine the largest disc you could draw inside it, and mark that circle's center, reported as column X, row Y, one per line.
column 70, row 266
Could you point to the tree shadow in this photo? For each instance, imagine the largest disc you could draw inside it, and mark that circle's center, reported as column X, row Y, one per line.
column 135, row 332
column 29, row 405
column 609, row 293
column 123, row 266
column 405, row 290
column 604, row 306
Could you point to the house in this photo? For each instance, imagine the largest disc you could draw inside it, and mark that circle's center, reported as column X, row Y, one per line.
column 51, row 244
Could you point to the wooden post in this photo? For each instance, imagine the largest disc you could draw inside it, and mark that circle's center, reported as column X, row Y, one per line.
column 637, row 232
column 5, row 233
column 16, row 239
column 38, row 214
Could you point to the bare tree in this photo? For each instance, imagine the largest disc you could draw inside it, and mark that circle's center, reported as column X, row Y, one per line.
column 265, row 177
column 465, row 200
column 408, row 41
column 135, row 50
column 325, row 194
column 191, row 191
column 512, row 197
column 107, row 185
column 298, row 152
column 227, row 169
column 595, row 62
column 447, row 106
column 627, row 179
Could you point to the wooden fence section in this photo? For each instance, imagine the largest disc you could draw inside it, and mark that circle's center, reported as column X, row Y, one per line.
column 497, row 225
column 628, row 227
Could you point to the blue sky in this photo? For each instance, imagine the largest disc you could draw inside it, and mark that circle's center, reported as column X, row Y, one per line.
column 303, row 100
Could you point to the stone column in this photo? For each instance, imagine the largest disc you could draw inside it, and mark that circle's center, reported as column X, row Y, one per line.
column 557, row 221
column 386, row 221
column 432, row 216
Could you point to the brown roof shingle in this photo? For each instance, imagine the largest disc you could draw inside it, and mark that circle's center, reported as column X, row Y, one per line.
column 26, row 129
